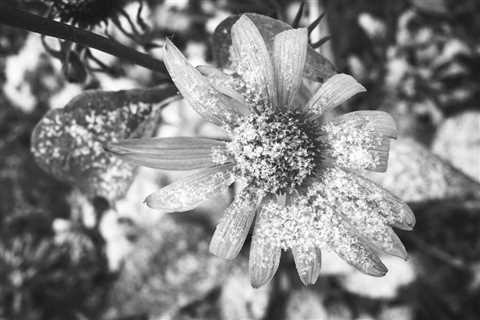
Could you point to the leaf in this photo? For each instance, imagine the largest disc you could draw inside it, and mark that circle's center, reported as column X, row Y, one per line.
column 68, row 143
column 168, row 268
column 414, row 174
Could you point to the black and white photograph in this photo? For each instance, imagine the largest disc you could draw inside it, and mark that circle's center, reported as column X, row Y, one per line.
column 239, row 160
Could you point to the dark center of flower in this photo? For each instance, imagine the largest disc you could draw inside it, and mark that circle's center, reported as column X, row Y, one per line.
column 273, row 151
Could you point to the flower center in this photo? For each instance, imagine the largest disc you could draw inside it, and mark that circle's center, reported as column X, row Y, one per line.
column 273, row 151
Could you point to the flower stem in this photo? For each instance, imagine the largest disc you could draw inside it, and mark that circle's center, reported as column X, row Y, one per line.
column 21, row 19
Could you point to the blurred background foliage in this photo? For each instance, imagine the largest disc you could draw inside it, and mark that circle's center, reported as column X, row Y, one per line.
column 83, row 246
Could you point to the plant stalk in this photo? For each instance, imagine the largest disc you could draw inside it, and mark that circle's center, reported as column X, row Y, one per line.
column 16, row 18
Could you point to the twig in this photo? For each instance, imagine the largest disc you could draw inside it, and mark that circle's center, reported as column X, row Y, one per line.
column 21, row 19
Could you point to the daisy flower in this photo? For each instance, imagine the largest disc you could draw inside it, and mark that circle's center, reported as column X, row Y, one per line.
column 296, row 172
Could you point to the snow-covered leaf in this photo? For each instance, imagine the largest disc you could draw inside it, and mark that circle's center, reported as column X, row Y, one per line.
column 69, row 143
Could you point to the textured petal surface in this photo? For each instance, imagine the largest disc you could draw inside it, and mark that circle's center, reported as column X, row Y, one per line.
column 289, row 53
column 233, row 228
column 189, row 192
column 210, row 103
column 226, row 83
column 317, row 67
column 179, row 153
column 311, row 221
column 308, row 261
column 358, row 140
column 335, row 91
column 362, row 208
column 252, row 60
column 264, row 253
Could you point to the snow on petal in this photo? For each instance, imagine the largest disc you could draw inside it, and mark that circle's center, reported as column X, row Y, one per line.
column 308, row 262
column 233, row 228
column 210, row 103
column 360, row 208
column 228, row 84
column 264, row 253
column 179, row 153
column 358, row 140
column 189, row 192
column 395, row 211
column 289, row 53
column 335, row 91
column 252, row 61
column 317, row 67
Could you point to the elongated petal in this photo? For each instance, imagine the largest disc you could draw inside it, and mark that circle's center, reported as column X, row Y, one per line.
column 395, row 211
column 179, row 153
column 232, row 230
column 317, row 67
column 358, row 140
column 289, row 53
column 226, row 83
column 210, row 103
column 379, row 121
column 335, row 91
column 308, row 261
column 191, row 191
column 264, row 253
column 253, row 61
column 344, row 241
column 337, row 233
column 361, row 208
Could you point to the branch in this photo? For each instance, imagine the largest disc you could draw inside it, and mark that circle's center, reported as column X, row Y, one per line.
column 21, row 19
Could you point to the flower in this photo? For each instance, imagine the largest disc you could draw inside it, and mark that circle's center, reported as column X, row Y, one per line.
column 295, row 171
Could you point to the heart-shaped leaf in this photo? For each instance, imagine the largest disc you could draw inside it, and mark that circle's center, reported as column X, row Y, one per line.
column 68, row 143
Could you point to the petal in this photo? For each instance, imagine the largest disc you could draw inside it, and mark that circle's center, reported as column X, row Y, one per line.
column 289, row 53
column 338, row 234
column 231, row 232
column 360, row 208
column 210, row 103
column 188, row 193
column 344, row 241
column 264, row 253
column 317, row 67
column 358, row 140
column 225, row 83
column 379, row 121
column 335, row 91
column 395, row 211
column 179, row 153
column 308, row 262
column 252, row 59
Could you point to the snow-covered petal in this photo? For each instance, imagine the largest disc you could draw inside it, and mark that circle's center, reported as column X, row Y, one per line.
column 179, row 153
column 189, row 192
column 252, row 60
column 361, row 207
column 379, row 121
column 353, row 249
column 335, row 91
column 264, row 253
column 289, row 53
column 358, row 140
column 308, row 262
column 225, row 83
column 210, row 103
column 362, row 198
column 233, row 228
column 317, row 67
column 395, row 211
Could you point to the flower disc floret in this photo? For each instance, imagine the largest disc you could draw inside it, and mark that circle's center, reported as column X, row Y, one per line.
column 273, row 151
